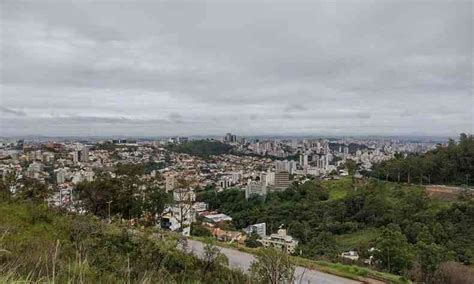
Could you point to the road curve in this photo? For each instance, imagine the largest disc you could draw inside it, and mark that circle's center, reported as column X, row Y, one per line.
column 242, row 260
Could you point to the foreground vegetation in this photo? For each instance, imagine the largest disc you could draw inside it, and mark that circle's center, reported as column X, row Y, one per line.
column 412, row 234
column 38, row 244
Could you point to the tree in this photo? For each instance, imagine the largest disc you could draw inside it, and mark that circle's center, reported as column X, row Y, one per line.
column 182, row 209
column 273, row 266
column 199, row 230
column 155, row 199
column 6, row 184
column 252, row 240
column 393, row 250
column 429, row 258
column 323, row 244
column 454, row 273
column 95, row 195
column 33, row 190
column 451, row 164
column 127, row 196
column 352, row 166
column 213, row 258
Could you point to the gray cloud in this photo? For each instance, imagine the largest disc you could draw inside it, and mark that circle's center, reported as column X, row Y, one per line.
column 9, row 111
column 385, row 67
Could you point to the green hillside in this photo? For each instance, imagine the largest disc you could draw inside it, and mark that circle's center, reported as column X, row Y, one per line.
column 413, row 234
column 42, row 245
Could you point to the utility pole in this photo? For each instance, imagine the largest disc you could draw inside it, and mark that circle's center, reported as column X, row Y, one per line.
column 108, row 202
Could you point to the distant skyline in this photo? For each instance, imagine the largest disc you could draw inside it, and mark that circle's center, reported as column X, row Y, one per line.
column 137, row 68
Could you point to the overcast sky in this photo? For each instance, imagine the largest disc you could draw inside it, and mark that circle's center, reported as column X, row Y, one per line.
column 174, row 68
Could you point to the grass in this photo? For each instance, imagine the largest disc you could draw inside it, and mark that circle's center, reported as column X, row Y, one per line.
column 348, row 271
column 338, row 189
column 356, row 239
column 40, row 245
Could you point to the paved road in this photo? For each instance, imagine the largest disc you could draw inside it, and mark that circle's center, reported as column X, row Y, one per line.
column 242, row 260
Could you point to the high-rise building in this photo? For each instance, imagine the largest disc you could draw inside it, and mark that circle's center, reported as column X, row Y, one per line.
column 260, row 229
column 285, row 166
column 255, row 188
column 281, row 166
column 75, row 156
column 170, row 183
column 225, row 182
column 270, row 178
column 236, row 176
column 282, row 180
column 230, row 138
column 84, row 154
column 263, row 177
column 304, row 160
column 61, row 176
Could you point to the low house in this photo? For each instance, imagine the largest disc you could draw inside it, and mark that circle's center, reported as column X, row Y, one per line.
column 352, row 255
column 228, row 236
column 216, row 218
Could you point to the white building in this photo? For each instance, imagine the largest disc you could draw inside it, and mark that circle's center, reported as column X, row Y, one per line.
column 255, row 188
column 260, row 229
column 225, row 182
column 216, row 218
column 84, row 154
column 280, row 240
column 200, row 206
column 170, row 183
column 61, row 176
column 270, row 178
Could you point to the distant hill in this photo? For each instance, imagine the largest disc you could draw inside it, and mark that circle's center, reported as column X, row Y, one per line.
column 201, row 148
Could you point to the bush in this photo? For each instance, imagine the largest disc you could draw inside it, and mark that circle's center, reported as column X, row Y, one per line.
column 199, row 230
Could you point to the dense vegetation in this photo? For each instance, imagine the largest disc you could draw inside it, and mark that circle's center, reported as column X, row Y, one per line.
column 412, row 233
column 38, row 244
column 201, row 148
column 453, row 164
column 127, row 195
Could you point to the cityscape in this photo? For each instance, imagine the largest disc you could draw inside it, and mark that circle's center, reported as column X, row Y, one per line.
column 236, row 142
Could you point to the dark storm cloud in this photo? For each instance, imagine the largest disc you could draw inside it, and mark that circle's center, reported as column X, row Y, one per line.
column 152, row 68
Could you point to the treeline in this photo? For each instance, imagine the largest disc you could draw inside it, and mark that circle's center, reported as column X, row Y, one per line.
column 414, row 235
column 453, row 164
column 201, row 148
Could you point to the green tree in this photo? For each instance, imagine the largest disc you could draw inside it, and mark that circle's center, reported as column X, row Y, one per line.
column 393, row 250
column 323, row 244
column 6, row 183
column 351, row 167
column 429, row 257
column 33, row 190
column 199, row 230
column 273, row 266
column 213, row 258
column 252, row 240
